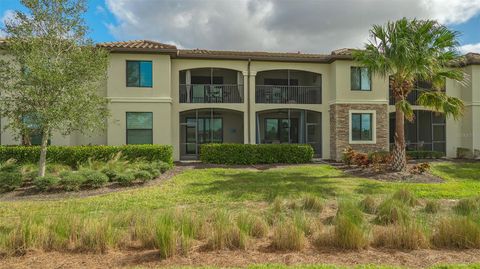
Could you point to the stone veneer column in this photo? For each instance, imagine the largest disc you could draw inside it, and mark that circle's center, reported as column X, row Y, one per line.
column 340, row 129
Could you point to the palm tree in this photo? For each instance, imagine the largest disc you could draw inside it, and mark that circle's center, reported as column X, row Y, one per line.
column 406, row 51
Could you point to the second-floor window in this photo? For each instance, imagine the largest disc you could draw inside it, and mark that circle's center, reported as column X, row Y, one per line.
column 139, row 74
column 360, row 79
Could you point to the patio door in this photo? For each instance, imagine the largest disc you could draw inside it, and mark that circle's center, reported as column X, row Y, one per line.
column 202, row 127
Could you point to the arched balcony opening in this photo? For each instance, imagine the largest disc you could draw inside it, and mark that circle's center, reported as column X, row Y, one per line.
column 290, row 126
column 426, row 132
column 211, row 85
column 288, row 87
column 210, row 125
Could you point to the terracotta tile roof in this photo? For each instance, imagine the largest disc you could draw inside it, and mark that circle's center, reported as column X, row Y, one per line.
column 473, row 58
column 256, row 55
column 137, row 45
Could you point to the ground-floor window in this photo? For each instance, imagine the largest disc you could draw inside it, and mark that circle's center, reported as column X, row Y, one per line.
column 426, row 132
column 139, row 128
column 362, row 126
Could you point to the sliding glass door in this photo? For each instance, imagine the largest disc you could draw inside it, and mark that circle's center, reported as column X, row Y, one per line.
column 202, row 130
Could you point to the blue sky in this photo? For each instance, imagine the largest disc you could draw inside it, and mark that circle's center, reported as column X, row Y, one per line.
column 302, row 25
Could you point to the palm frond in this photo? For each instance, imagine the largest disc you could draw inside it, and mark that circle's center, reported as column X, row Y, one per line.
column 441, row 102
column 405, row 106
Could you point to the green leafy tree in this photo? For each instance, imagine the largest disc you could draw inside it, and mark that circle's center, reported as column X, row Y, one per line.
column 51, row 74
column 406, row 51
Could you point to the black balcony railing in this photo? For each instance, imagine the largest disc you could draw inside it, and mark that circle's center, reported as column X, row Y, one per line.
column 411, row 98
column 276, row 94
column 211, row 93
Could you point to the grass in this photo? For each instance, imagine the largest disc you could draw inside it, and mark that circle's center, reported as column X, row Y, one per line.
column 239, row 188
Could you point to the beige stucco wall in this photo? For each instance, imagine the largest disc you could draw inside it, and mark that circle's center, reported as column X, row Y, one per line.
column 163, row 100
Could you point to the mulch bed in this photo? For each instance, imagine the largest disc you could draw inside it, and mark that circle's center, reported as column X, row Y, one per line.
column 388, row 175
column 228, row 258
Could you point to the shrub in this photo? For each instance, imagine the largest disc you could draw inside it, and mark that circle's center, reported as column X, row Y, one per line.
column 125, row 178
column 74, row 155
column 405, row 196
column 255, row 154
column 380, row 160
column 408, row 236
column 313, row 203
column 420, row 154
column 350, row 230
column 46, row 182
column 143, row 175
column 10, row 181
column 9, row 166
column 110, row 173
column 361, row 159
column 347, row 155
column 94, row 179
column 71, row 181
column 456, row 232
column 288, row 236
column 466, row 206
column 393, row 211
column 432, row 207
column 420, row 168
column 368, row 205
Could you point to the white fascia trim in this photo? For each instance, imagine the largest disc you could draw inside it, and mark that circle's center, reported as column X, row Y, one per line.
column 374, row 127
column 140, row 99
column 475, row 103
column 359, row 102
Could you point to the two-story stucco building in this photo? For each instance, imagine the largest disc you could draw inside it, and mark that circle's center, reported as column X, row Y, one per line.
column 163, row 95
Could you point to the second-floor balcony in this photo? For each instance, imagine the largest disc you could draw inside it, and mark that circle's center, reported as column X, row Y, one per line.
column 211, row 85
column 211, row 93
column 288, row 87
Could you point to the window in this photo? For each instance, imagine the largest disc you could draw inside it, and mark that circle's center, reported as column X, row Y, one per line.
column 360, row 79
column 139, row 128
column 139, row 74
column 35, row 134
column 362, row 127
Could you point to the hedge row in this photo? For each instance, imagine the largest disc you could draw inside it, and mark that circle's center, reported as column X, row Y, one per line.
column 255, row 154
column 74, row 155
column 425, row 154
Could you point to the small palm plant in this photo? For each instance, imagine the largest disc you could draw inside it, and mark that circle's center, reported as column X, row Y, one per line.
column 406, row 51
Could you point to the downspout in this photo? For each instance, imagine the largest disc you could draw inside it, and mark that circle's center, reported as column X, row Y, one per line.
column 248, row 100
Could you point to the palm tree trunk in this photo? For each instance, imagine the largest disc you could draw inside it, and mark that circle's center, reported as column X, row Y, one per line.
column 43, row 154
column 399, row 162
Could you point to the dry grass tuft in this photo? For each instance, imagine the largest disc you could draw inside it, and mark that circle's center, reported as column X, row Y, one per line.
column 288, row 236
column 368, row 205
column 312, row 203
column 405, row 196
column 457, row 232
column 403, row 236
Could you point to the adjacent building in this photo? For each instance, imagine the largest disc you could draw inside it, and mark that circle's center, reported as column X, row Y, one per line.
column 163, row 95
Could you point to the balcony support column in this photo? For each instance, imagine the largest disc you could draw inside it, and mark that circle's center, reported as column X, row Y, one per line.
column 251, row 105
column 188, row 82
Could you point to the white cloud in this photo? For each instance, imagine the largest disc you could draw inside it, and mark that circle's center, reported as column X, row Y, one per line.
column 276, row 25
column 470, row 48
column 100, row 10
column 8, row 15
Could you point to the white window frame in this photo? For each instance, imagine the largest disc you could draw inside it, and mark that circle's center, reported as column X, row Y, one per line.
column 374, row 127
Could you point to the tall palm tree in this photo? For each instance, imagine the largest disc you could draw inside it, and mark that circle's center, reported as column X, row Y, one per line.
column 406, row 51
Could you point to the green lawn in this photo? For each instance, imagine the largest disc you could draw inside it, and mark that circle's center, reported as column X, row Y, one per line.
column 245, row 188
